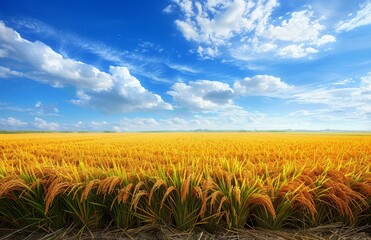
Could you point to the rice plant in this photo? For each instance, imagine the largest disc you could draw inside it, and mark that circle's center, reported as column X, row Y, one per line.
column 92, row 181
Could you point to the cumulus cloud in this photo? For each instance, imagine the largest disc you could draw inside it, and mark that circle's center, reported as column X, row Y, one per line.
column 44, row 125
column 262, row 85
column 216, row 22
column 202, row 95
column 361, row 18
column 114, row 92
column 246, row 27
column 215, row 96
column 299, row 28
column 325, row 39
column 296, row 51
column 188, row 31
column 126, row 95
column 48, row 66
column 207, row 52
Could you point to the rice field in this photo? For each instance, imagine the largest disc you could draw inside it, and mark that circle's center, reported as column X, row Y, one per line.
column 275, row 181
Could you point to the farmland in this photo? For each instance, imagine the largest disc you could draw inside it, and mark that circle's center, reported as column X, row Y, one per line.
column 183, row 180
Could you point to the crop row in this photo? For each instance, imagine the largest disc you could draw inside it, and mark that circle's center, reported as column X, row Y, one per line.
column 220, row 186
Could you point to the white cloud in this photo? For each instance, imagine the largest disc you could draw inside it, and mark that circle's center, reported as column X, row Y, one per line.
column 260, row 47
column 240, row 118
column 126, row 95
column 227, row 22
column 215, row 96
column 262, row 85
column 202, row 95
column 246, row 28
column 298, row 36
column 233, row 119
column 176, row 121
column 214, row 23
column 366, row 82
column 7, row 107
column 48, row 66
column 325, row 39
column 114, row 92
column 7, row 72
column 344, row 82
column 44, row 125
column 138, row 60
column 136, row 124
column 182, row 68
column 340, row 98
column 99, row 126
column 168, row 9
column 328, row 115
column 296, row 51
column 361, row 18
column 217, row 22
column 41, row 109
column 97, row 48
column 207, row 52
column 186, row 7
column 150, row 47
column 353, row 100
column 38, row 104
column 188, row 31
column 299, row 28
column 333, row 96
column 11, row 123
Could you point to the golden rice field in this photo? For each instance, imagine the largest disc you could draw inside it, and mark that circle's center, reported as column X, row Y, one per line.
column 209, row 180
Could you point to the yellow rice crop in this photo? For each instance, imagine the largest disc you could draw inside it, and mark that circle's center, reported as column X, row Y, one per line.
column 233, row 180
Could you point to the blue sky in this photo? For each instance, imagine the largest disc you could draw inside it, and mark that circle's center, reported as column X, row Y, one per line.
column 184, row 65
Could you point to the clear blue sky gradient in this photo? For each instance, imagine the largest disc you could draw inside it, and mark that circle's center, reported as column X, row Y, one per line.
column 185, row 65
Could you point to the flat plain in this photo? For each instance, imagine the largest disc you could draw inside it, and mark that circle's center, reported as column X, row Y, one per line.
column 231, row 180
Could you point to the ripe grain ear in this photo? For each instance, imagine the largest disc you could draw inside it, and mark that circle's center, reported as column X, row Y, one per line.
column 214, row 196
column 237, row 194
column 136, row 198
column 185, row 189
column 156, row 186
column 88, row 187
column 107, row 186
column 263, row 200
column 124, row 193
column 224, row 199
column 168, row 191
column 10, row 184
column 55, row 188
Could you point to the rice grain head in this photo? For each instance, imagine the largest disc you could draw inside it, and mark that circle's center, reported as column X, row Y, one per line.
column 168, row 191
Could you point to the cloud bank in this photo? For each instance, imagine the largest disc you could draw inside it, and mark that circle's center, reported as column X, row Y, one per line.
column 115, row 92
column 246, row 29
